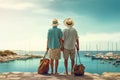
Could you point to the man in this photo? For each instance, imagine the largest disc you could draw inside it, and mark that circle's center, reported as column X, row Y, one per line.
column 54, row 42
column 70, row 41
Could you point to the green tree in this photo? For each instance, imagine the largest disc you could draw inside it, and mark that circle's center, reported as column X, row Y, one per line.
column 1, row 52
column 8, row 52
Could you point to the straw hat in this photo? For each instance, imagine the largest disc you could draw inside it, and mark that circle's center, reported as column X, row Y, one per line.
column 68, row 22
column 55, row 22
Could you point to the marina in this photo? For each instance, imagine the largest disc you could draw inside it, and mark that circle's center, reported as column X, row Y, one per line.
column 110, row 56
column 92, row 66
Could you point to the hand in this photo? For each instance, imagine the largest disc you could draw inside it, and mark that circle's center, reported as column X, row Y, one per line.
column 62, row 48
column 47, row 49
column 77, row 47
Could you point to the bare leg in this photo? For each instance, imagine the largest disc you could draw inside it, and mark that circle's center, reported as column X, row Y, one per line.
column 72, row 65
column 52, row 66
column 66, row 65
column 56, row 66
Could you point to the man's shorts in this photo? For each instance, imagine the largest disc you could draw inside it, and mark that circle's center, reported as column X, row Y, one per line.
column 67, row 53
column 54, row 53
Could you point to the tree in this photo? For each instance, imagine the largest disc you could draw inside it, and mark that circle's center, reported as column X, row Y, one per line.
column 8, row 52
column 1, row 52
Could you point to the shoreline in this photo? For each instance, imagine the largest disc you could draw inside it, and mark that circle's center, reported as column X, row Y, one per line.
column 17, row 57
column 61, row 76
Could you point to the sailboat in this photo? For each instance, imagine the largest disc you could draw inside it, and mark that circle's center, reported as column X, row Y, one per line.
column 109, row 54
column 87, row 53
column 96, row 56
column 117, row 61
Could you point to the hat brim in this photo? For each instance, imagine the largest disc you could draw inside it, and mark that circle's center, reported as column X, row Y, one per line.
column 55, row 24
column 65, row 23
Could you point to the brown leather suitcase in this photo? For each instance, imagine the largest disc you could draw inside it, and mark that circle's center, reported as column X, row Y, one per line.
column 78, row 68
column 44, row 66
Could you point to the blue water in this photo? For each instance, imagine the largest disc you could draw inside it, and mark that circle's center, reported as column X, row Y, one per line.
column 31, row 65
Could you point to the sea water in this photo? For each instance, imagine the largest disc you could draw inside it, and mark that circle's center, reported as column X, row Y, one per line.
column 31, row 65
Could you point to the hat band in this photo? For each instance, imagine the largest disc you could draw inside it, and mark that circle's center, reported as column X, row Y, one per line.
column 68, row 23
column 55, row 22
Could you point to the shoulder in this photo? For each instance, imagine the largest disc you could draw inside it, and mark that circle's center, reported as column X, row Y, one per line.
column 59, row 29
column 73, row 29
column 64, row 30
column 50, row 29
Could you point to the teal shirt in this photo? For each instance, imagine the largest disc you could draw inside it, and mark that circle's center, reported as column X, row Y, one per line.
column 54, row 35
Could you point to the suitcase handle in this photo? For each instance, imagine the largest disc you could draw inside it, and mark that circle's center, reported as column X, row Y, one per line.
column 45, row 54
column 78, row 57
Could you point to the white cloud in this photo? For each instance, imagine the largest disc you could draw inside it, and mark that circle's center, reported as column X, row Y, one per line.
column 51, row 0
column 104, row 41
column 32, row 44
column 41, row 10
column 38, row 42
column 100, row 37
column 24, row 5
column 15, row 4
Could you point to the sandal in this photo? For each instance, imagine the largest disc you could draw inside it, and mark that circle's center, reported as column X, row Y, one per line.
column 51, row 73
column 66, row 73
column 56, row 73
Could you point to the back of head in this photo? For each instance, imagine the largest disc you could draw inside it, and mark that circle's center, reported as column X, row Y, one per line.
column 55, row 22
column 68, row 22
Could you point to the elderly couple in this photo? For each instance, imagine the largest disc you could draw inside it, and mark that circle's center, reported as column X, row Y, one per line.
column 65, row 41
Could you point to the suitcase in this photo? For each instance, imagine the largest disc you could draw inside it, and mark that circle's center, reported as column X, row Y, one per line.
column 44, row 66
column 79, row 68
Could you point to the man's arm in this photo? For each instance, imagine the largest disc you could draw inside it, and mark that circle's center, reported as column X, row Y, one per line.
column 77, row 45
column 47, row 46
column 61, row 40
column 61, row 43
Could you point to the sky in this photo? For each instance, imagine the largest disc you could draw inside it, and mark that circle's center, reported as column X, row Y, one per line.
column 24, row 23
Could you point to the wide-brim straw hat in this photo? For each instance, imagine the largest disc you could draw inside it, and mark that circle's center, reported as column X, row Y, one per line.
column 68, row 22
column 55, row 22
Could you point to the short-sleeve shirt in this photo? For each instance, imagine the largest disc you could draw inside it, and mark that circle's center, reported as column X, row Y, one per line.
column 54, row 35
column 69, row 36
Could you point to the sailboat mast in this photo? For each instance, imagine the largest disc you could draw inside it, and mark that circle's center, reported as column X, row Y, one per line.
column 108, row 46
column 97, row 48
column 116, row 47
column 86, row 48
column 112, row 49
